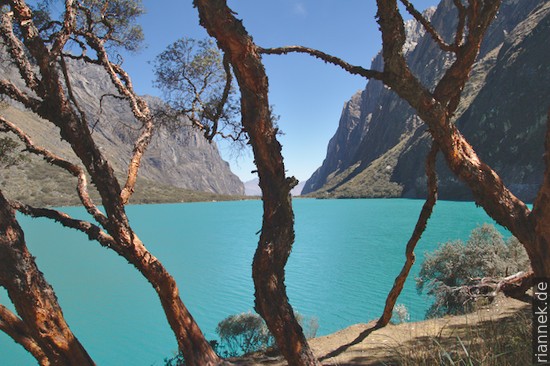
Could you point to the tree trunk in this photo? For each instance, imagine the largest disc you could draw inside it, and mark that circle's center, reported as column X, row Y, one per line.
column 58, row 109
column 436, row 110
column 193, row 345
column 277, row 234
column 33, row 297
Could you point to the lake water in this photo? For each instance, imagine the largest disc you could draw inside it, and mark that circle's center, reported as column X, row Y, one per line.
column 346, row 256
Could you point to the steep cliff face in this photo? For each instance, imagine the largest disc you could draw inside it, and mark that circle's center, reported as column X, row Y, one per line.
column 177, row 157
column 361, row 125
column 502, row 113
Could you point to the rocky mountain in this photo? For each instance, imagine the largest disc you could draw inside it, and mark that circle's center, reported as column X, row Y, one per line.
column 178, row 157
column 380, row 145
column 252, row 188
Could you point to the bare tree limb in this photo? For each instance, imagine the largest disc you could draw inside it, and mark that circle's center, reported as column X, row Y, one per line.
column 453, row 81
column 352, row 69
column 9, row 89
column 277, row 234
column 139, row 107
column 14, row 327
column 93, row 232
column 15, row 48
column 428, row 27
column 33, row 297
column 459, row 35
column 419, row 229
column 75, row 170
column 69, row 23
column 68, row 84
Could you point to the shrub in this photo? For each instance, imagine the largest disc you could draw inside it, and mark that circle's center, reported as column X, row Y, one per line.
column 455, row 264
column 400, row 314
column 243, row 333
column 247, row 332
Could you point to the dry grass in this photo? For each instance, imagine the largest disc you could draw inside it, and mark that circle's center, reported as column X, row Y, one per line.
column 499, row 334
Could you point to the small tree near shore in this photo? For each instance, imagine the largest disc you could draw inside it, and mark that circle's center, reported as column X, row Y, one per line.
column 448, row 272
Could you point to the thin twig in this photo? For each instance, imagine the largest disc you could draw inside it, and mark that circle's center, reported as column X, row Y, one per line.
column 429, row 27
column 69, row 23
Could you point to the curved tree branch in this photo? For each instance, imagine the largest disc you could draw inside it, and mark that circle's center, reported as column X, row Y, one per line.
column 15, row 48
column 428, row 27
column 459, row 35
column 75, row 170
column 68, row 84
column 93, row 232
column 221, row 104
column 13, row 92
column 419, row 229
column 139, row 107
column 33, row 298
column 67, row 29
column 352, row 69
column 436, row 111
column 14, row 327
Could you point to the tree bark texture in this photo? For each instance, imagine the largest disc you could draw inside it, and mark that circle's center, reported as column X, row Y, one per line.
column 277, row 236
column 14, row 327
column 436, row 110
column 43, row 324
column 54, row 104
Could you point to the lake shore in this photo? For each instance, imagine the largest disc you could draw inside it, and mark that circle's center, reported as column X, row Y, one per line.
column 400, row 344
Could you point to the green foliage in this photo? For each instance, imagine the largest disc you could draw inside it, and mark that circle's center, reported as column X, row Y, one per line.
column 243, row 333
column 247, row 332
column 455, row 264
column 113, row 22
column 196, row 84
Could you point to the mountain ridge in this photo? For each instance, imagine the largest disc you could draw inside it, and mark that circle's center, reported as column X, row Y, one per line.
column 383, row 154
column 177, row 158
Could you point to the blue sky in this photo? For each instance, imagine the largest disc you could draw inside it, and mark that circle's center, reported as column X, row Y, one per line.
column 307, row 94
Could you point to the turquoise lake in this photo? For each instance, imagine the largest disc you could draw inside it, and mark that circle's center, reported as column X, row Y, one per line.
column 345, row 259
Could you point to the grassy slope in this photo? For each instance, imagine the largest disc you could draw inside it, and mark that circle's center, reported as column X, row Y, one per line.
column 38, row 183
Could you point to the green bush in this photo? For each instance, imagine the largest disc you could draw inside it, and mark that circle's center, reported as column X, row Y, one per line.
column 243, row 333
column 455, row 264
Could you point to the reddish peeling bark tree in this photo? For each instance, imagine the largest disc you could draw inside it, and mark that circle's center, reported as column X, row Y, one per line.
column 42, row 329
column 49, row 95
column 436, row 108
column 277, row 235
